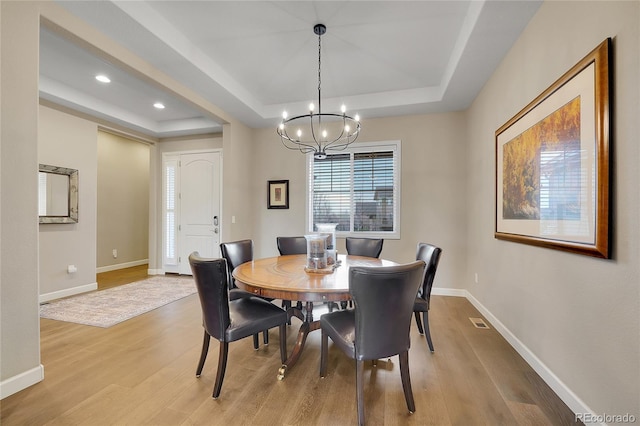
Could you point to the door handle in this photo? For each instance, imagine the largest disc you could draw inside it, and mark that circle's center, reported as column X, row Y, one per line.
column 215, row 221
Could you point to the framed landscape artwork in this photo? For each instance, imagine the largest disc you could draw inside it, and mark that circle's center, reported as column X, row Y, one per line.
column 552, row 163
column 278, row 194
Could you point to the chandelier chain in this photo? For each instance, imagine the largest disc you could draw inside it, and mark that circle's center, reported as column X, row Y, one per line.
column 319, row 67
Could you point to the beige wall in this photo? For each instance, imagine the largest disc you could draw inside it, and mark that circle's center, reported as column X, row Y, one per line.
column 68, row 141
column 239, row 156
column 579, row 316
column 123, row 201
column 192, row 143
column 433, row 205
column 20, row 325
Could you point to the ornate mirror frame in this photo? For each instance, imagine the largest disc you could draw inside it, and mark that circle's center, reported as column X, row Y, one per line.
column 72, row 216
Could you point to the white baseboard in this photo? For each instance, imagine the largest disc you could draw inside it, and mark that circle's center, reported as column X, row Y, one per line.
column 441, row 291
column 67, row 292
column 21, row 381
column 121, row 266
column 155, row 271
column 574, row 403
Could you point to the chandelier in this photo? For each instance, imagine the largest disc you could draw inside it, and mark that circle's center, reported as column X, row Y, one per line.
column 319, row 133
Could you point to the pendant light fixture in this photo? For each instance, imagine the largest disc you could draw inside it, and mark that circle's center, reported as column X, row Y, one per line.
column 317, row 132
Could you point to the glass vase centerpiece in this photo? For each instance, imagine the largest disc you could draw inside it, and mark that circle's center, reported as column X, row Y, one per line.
column 329, row 231
column 316, row 253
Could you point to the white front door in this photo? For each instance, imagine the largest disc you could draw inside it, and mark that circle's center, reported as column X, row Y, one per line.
column 192, row 221
column 199, row 206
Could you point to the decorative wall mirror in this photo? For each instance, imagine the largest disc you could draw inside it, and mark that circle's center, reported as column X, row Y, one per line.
column 57, row 194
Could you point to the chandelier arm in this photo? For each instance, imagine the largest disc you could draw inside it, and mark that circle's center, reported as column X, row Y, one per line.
column 297, row 145
column 305, row 149
column 329, row 145
column 313, row 131
column 340, row 146
column 345, row 140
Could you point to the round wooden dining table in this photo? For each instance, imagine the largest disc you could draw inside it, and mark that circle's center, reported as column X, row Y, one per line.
column 285, row 277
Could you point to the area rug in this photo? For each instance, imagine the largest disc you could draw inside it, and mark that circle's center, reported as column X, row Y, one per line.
column 105, row 308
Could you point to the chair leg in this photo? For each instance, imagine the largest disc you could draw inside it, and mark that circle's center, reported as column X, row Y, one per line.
column 425, row 315
column 265, row 337
column 203, row 354
column 283, row 343
column 286, row 304
column 256, row 341
column 360, row 390
column 222, row 366
column 324, row 349
column 418, row 322
column 406, row 380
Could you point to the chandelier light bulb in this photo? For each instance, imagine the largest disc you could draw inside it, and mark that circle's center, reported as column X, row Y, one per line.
column 281, row 126
column 324, row 133
column 284, row 115
column 347, row 128
column 299, row 132
column 343, row 108
column 357, row 117
column 312, row 107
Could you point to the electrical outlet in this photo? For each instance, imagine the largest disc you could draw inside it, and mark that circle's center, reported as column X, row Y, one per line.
column 115, row 254
column 476, row 276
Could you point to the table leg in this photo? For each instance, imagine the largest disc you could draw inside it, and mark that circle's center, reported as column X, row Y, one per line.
column 308, row 325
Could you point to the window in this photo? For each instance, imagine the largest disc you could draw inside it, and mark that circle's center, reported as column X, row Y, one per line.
column 358, row 189
column 170, row 211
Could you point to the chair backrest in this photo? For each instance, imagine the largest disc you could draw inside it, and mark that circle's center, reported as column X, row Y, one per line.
column 236, row 253
column 210, row 276
column 430, row 254
column 370, row 247
column 383, row 299
column 292, row 245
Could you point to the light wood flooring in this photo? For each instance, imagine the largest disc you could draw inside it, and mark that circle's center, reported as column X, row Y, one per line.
column 142, row 372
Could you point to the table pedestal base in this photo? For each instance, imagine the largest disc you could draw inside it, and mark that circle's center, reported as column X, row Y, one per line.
column 308, row 325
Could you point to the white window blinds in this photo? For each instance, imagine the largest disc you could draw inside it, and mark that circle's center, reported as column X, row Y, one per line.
column 357, row 189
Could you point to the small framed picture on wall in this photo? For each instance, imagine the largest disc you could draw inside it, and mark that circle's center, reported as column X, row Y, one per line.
column 278, row 194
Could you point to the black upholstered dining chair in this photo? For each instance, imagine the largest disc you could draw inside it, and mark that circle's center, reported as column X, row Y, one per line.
column 291, row 245
column 236, row 253
column 370, row 247
column 230, row 320
column 379, row 325
column 430, row 254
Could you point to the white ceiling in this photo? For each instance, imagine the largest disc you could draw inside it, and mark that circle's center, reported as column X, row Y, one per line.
column 255, row 59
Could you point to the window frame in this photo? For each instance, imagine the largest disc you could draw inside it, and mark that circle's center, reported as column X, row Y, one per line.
column 360, row 147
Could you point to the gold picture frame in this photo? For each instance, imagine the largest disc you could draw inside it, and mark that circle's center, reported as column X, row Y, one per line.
column 552, row 163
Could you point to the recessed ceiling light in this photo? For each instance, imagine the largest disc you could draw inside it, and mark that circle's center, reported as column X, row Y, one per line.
column 103, row 78
column 159, row 105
